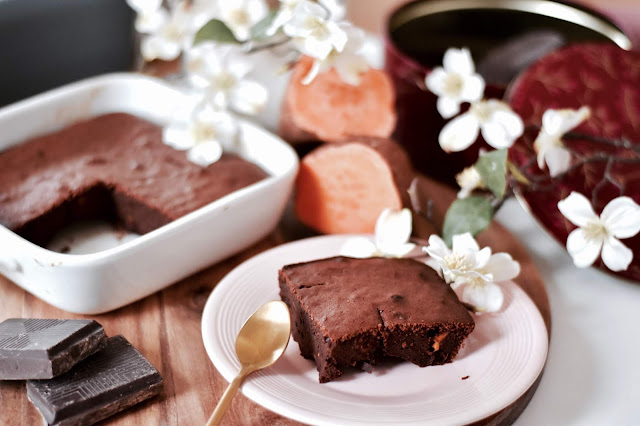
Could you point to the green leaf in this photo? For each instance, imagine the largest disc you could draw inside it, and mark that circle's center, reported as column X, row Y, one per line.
column 472, row 214
column 259, row 30
column 215, row 30
column 492, row 167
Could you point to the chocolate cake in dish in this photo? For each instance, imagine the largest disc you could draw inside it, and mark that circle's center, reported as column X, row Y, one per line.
column 112, row 167
column 348, row 311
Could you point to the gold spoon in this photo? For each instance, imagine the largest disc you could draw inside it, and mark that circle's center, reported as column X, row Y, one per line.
column 260, row 343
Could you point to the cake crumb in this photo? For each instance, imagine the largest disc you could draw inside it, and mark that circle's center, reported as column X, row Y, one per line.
column 465, row 377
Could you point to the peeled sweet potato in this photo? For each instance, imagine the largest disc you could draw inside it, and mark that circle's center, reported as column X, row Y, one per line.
column 343, row 187
column 329, row 110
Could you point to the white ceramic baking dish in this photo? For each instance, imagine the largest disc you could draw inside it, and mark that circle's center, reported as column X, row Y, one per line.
column 107, row 279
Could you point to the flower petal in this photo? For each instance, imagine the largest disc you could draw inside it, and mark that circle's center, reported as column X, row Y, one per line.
column 350, row 67
column 437, row 248
column 204, row 154
column 503, row 129
column 315, row 69
column 144, row 6
column 558, row 160
column 577, row 209
column 460, row 133
column 337, row 36
column 486, row 297
column 337, row 9
column 226, row 127
column 356, row 38
column 393, row 229
column 434, row 264
column 283, row 16
column 241, row 15
column 481, row 258
column 152, row 21
column 621, row 217
column 541, row 145
column 511, row 122
column 156, row 47
column 178, row 136
column 459, row 61
column 248, row 97
column 447, row 106
column 464, row 243
column 358, row 247
column 468, row 180
column 238, row 64
column 400, row 251
column 502, row 267
column 558, row 122
column 616, row 255
column 314, row 47
column 435, row 80
column 583, row 250
column 473, row 88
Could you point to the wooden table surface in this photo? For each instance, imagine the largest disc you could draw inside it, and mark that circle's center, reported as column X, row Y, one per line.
column 165, row 327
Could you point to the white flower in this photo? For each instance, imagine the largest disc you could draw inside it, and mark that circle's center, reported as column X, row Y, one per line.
column 337, row 9
column 456, row 83
column 150, row 14
column 205, row 133
column 312, row 33
column 392, row 233
column 469, row 179
column 548, row 144
column 284, row 15
column 241, row 15
column 477, row 270
column 350, row 63
column 221, row 70
column 500, row 127
column 172, row 34
column 287, row 7
column 619, row 219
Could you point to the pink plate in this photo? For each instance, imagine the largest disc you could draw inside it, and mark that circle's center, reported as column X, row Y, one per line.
column 501, row 359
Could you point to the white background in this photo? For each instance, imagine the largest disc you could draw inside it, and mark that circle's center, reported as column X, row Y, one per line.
column 592, row 375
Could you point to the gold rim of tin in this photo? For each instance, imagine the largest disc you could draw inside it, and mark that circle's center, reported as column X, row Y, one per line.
column 548, row 8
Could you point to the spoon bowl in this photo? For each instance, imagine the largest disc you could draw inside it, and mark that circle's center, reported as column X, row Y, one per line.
column 264, row 336
column 261, row 342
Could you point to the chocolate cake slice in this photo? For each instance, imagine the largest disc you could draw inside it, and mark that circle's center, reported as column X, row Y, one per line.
column 113, row 167
column 346, row 312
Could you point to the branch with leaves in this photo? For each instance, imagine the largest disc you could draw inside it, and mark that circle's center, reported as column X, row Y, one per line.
column 485, row 185
column 215, row 39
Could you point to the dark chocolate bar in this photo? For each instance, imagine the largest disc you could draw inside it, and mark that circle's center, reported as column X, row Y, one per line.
column 111, row 380
column 46, row 348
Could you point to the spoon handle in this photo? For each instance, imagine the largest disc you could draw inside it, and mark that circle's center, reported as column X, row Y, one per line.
column 228, row 395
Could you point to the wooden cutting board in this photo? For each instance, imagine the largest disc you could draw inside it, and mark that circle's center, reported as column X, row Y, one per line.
column 165, row 327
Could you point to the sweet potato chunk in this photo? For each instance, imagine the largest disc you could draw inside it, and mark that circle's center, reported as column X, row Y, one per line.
column 343, row 187
column 328, row 109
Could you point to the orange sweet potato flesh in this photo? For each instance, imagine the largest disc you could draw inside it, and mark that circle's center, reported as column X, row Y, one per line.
column 343, row 187
column 328, row 109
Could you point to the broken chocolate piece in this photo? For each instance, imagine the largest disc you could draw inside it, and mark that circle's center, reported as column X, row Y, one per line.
column 46, row 348
column 106, row 383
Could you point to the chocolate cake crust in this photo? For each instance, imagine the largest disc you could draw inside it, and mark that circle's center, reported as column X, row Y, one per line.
column 113, row 167
column 347, row 311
